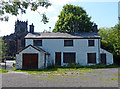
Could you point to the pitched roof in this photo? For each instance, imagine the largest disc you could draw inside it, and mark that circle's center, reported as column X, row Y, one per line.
column 37, row 48
column 59, row 35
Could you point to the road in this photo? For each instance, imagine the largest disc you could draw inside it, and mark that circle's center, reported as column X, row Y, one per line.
column 98, row 78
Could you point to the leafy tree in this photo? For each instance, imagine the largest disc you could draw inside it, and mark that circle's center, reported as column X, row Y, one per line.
column 2, row 48
column 111, row 39
column 14, row 7
column 72, row 16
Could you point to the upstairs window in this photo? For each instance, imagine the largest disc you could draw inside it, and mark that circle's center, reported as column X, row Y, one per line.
column 68, row 42
column 90, row 42
column 37, row 42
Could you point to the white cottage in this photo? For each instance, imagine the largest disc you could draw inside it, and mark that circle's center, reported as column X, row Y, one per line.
column 44, row 49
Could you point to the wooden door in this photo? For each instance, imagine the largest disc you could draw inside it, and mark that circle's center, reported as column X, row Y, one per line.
column 58, row 58
column 103, row 58
column 30, row 61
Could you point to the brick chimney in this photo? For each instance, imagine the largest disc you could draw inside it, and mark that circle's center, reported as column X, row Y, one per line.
column 31, row 28
column 95, row 28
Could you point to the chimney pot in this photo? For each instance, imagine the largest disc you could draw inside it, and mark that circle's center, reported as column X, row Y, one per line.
column 95, row 28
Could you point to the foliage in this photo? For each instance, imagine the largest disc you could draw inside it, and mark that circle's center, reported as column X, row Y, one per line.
column 2, row 48
column 70, row 16
column 111, row 39
column 15, row 7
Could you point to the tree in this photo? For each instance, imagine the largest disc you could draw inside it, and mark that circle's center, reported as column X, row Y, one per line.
column 70, row 16
column 111, row 39
column 2, row 48
column 15, row 7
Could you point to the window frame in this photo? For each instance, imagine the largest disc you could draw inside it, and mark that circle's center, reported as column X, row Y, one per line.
column 37, row 40
column 89, row 44
column 89, row 59
column 68, row 61
column 70, row 45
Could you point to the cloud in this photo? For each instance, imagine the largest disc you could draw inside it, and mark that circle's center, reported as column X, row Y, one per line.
column 55, row 18
column 7, row 27
column 42, row 9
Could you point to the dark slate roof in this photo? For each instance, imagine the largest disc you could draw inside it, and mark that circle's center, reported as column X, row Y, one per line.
column 59, row 35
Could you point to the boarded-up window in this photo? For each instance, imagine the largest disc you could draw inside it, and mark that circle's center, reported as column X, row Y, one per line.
column 91, row 57
column 90, row 42
column 37, row 42
column 68, row 42
column 69, row 57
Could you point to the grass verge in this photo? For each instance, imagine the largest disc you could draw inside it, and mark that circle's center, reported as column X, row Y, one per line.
column 3, row 70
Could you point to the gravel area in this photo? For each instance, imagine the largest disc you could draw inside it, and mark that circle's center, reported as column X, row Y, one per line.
column 96, row 78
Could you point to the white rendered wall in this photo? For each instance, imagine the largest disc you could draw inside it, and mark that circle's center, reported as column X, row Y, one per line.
column 30, row 50
column 109, row 56
column 80, row 46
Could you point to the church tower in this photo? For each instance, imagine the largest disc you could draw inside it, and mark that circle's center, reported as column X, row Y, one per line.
column 20, row 32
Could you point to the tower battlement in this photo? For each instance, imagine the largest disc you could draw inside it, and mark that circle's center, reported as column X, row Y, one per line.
column 21, row 26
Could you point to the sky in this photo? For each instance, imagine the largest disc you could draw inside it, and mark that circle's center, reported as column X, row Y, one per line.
column 103, row 12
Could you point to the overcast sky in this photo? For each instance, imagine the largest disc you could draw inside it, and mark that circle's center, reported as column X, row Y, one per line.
column 103, row 12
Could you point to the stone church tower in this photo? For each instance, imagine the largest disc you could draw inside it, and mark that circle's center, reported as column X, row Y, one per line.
column 20, row 32
column 16, row 41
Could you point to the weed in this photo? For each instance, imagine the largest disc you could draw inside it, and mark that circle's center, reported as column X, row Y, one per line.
column 42, row 79
column 114, row 78
column 107, row 81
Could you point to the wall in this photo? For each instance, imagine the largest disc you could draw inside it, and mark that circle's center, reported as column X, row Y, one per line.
column 80, row 47
column 30, row 50
column 109, row 56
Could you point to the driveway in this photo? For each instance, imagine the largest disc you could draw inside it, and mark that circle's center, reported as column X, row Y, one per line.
column 96, row 78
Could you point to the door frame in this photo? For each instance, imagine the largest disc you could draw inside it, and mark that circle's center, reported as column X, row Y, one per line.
column 105, row 57
column 30, row 54
column 56, row 59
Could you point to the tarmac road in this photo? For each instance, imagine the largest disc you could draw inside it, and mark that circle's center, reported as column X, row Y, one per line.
column 99, row 78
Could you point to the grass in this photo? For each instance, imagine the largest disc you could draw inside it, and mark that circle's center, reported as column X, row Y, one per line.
column 107, row 81
column 114, row 78
column 63, row 70
column 3, row 70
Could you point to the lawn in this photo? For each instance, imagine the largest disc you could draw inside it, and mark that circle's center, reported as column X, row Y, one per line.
column 64, row 69
column 3, row 70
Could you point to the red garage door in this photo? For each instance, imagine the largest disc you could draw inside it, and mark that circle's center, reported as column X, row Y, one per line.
column 30, row 61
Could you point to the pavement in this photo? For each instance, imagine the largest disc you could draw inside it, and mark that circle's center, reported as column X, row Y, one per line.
column 98, row 78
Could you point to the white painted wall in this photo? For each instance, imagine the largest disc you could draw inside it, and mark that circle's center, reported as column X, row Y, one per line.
column 109, row 56
column 30, row 49
column 80, row 47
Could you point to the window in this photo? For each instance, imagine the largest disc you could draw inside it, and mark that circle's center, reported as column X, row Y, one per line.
column 90, row 42
column 68, row 42
column 91, row 57
column 69, row 57
column 37, row 42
